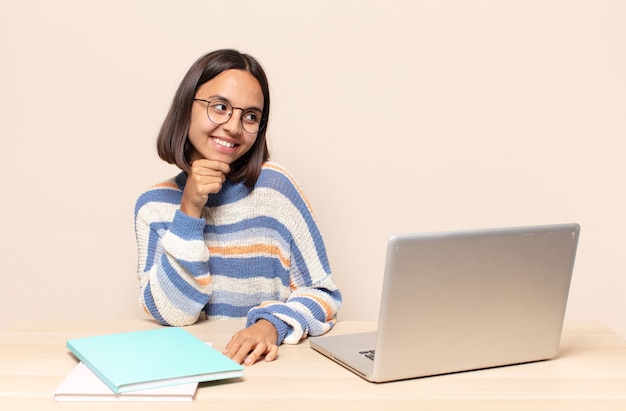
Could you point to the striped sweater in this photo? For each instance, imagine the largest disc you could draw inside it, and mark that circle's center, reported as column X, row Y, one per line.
column 254, row 253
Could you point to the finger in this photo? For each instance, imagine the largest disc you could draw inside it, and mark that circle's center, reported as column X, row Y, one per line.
column 231, row 348
column 205, row 184
column 213, row 165
column 256, row 354
column 199, row 171
column 223, row 167
column 210, row 188
column 272, row 353
column 243, row 352
column 238, row 351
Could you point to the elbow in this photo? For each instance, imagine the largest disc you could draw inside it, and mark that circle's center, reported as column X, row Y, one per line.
column 170, row 319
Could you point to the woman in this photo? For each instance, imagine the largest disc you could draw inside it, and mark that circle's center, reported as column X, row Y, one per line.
column 232, row 235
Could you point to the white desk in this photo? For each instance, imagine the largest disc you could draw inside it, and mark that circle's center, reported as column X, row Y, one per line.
column 589, row 374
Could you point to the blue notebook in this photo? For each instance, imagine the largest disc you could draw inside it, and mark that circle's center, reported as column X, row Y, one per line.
column 160, row 357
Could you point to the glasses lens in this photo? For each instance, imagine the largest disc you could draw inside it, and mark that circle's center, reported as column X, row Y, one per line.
column 219, row 111
column 251, row 120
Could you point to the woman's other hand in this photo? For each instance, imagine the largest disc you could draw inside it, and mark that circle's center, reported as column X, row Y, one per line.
column 253, row 343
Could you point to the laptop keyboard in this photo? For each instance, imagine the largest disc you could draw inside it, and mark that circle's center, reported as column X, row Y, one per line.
column 368, row 353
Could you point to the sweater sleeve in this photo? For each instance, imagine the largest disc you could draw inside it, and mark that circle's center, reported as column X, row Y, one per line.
column 173, row 272
column 311, row 308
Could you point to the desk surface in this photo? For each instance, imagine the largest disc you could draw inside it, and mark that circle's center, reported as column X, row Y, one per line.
column 589, row 374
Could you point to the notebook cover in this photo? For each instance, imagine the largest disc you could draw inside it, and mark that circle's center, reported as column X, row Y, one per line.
column 159, row 357
column 81, row 384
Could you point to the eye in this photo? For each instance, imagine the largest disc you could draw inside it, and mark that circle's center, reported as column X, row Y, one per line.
column 220, row 106
column 252, row 117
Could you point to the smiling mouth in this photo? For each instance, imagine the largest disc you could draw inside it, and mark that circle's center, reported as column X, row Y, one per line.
column 224, row 143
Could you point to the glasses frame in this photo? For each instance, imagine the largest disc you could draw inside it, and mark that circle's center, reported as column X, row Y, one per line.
column 230, row 114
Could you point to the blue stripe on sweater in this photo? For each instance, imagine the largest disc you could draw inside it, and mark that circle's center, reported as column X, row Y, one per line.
column 244, row 299
column 158, row 195
column 186, row 227
column 226, row 310
column 316, row 310
column 151, row 306
column 248, row 267
column 195, row 268
column 264, row 223
column 272, row 310
column 157, row 230
column 177, row 289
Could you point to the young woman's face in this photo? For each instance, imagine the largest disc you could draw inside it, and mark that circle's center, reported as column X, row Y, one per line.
column 228, row 141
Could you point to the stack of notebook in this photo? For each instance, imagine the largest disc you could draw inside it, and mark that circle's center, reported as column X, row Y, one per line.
column 164, row 364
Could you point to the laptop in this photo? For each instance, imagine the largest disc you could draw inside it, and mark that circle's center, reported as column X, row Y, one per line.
column 464, row 300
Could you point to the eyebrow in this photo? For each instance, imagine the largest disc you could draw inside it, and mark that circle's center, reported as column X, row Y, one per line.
column 217, row 96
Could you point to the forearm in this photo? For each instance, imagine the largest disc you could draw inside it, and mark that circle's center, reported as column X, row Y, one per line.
column 308, row 311
column 173, row 270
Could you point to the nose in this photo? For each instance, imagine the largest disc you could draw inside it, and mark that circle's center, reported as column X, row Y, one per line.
column 233, row 125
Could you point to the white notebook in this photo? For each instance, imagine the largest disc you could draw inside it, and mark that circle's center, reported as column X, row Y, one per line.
column 82, row 384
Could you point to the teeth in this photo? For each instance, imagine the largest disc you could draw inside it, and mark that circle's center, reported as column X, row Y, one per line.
column 224, row 143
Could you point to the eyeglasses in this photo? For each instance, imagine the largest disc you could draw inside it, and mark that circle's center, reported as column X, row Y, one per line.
column 220, row 111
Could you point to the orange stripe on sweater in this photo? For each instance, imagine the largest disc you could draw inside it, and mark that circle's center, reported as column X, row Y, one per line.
column 166, row 184
column 325, row 306
column 268, row 303
column 238, row 251
column 204, row 281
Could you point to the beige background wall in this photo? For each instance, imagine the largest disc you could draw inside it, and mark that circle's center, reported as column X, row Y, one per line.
column 395, row 116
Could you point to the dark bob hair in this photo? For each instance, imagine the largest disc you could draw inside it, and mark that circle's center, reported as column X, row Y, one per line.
column 173, row 143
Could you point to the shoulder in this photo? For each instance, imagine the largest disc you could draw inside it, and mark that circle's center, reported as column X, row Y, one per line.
column 282, row 186
column 167, row 192
column 274, row 175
